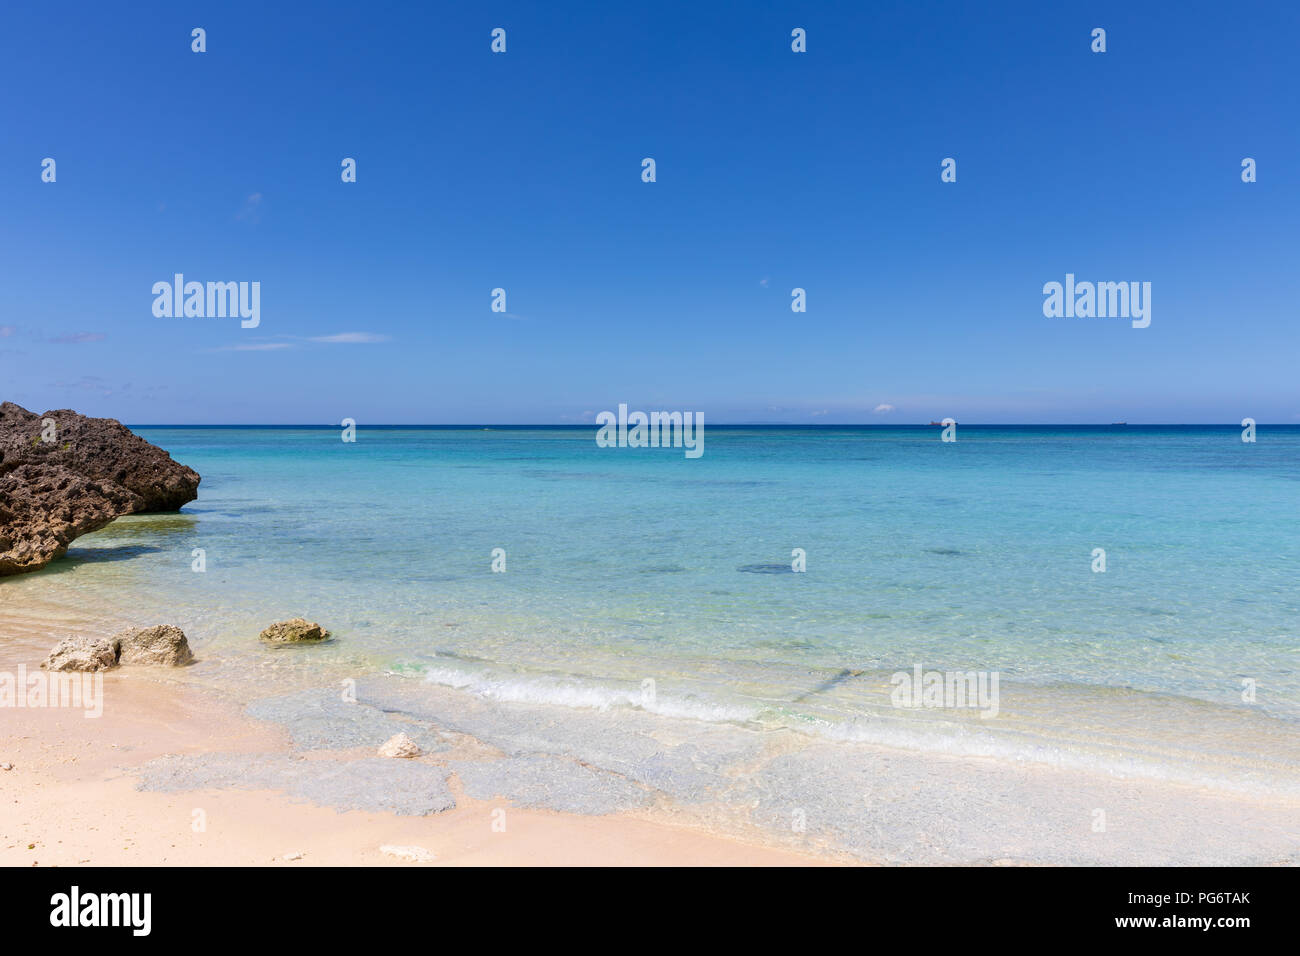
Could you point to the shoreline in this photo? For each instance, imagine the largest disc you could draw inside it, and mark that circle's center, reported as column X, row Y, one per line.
column 82, row 778
column 1089, row 728
column 72, row 799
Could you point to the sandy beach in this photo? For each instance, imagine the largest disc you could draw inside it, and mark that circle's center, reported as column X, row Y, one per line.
column 73, row 797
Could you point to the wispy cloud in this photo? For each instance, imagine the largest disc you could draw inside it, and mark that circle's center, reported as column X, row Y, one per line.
column 257, row 347
column 764, row 281
column 6, row 331
column 350, row 338
column 87, row 383
column 884, row 408
column 339, row 338
column 76, row 338
column 251, row 211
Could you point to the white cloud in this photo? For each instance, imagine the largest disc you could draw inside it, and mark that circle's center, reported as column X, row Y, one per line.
column 884, row 408
column 258, row 347
column 351, row 338
column 251, row 211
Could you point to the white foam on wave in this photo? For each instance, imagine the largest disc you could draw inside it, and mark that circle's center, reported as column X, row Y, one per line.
column 882, row 728
column 587, row 695
column 956, row 741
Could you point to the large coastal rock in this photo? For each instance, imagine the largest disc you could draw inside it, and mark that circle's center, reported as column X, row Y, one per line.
column 163, row 645
column 62, row 481
column 44, row 506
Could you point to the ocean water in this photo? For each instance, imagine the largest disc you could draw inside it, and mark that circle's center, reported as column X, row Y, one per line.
column 638, row 579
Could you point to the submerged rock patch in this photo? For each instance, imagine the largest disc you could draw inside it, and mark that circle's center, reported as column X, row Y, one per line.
column 766, row 569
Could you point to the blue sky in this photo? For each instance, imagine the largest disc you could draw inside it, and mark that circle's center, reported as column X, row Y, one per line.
column 775, row 170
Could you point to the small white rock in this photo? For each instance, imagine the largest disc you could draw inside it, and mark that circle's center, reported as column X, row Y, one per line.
column 411, row 854
column 288, row 857
column 6, row 766
column 399, row 746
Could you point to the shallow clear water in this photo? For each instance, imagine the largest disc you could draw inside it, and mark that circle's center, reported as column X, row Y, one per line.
column 631, row 564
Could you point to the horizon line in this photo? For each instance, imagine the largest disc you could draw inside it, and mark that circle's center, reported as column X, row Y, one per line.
column 825, row 425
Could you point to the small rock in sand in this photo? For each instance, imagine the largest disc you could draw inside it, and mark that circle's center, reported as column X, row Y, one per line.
column 295, row 631
column 162, row 644
column 6, row 766
column 290, row 857
column 399, row 746
column 82, row 654
column 411, row 854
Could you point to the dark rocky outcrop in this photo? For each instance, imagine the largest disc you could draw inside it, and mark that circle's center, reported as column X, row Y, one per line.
column 62, row 482
column 44, row 506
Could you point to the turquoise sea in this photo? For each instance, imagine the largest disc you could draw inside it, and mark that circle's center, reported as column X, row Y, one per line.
column 628, row 566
